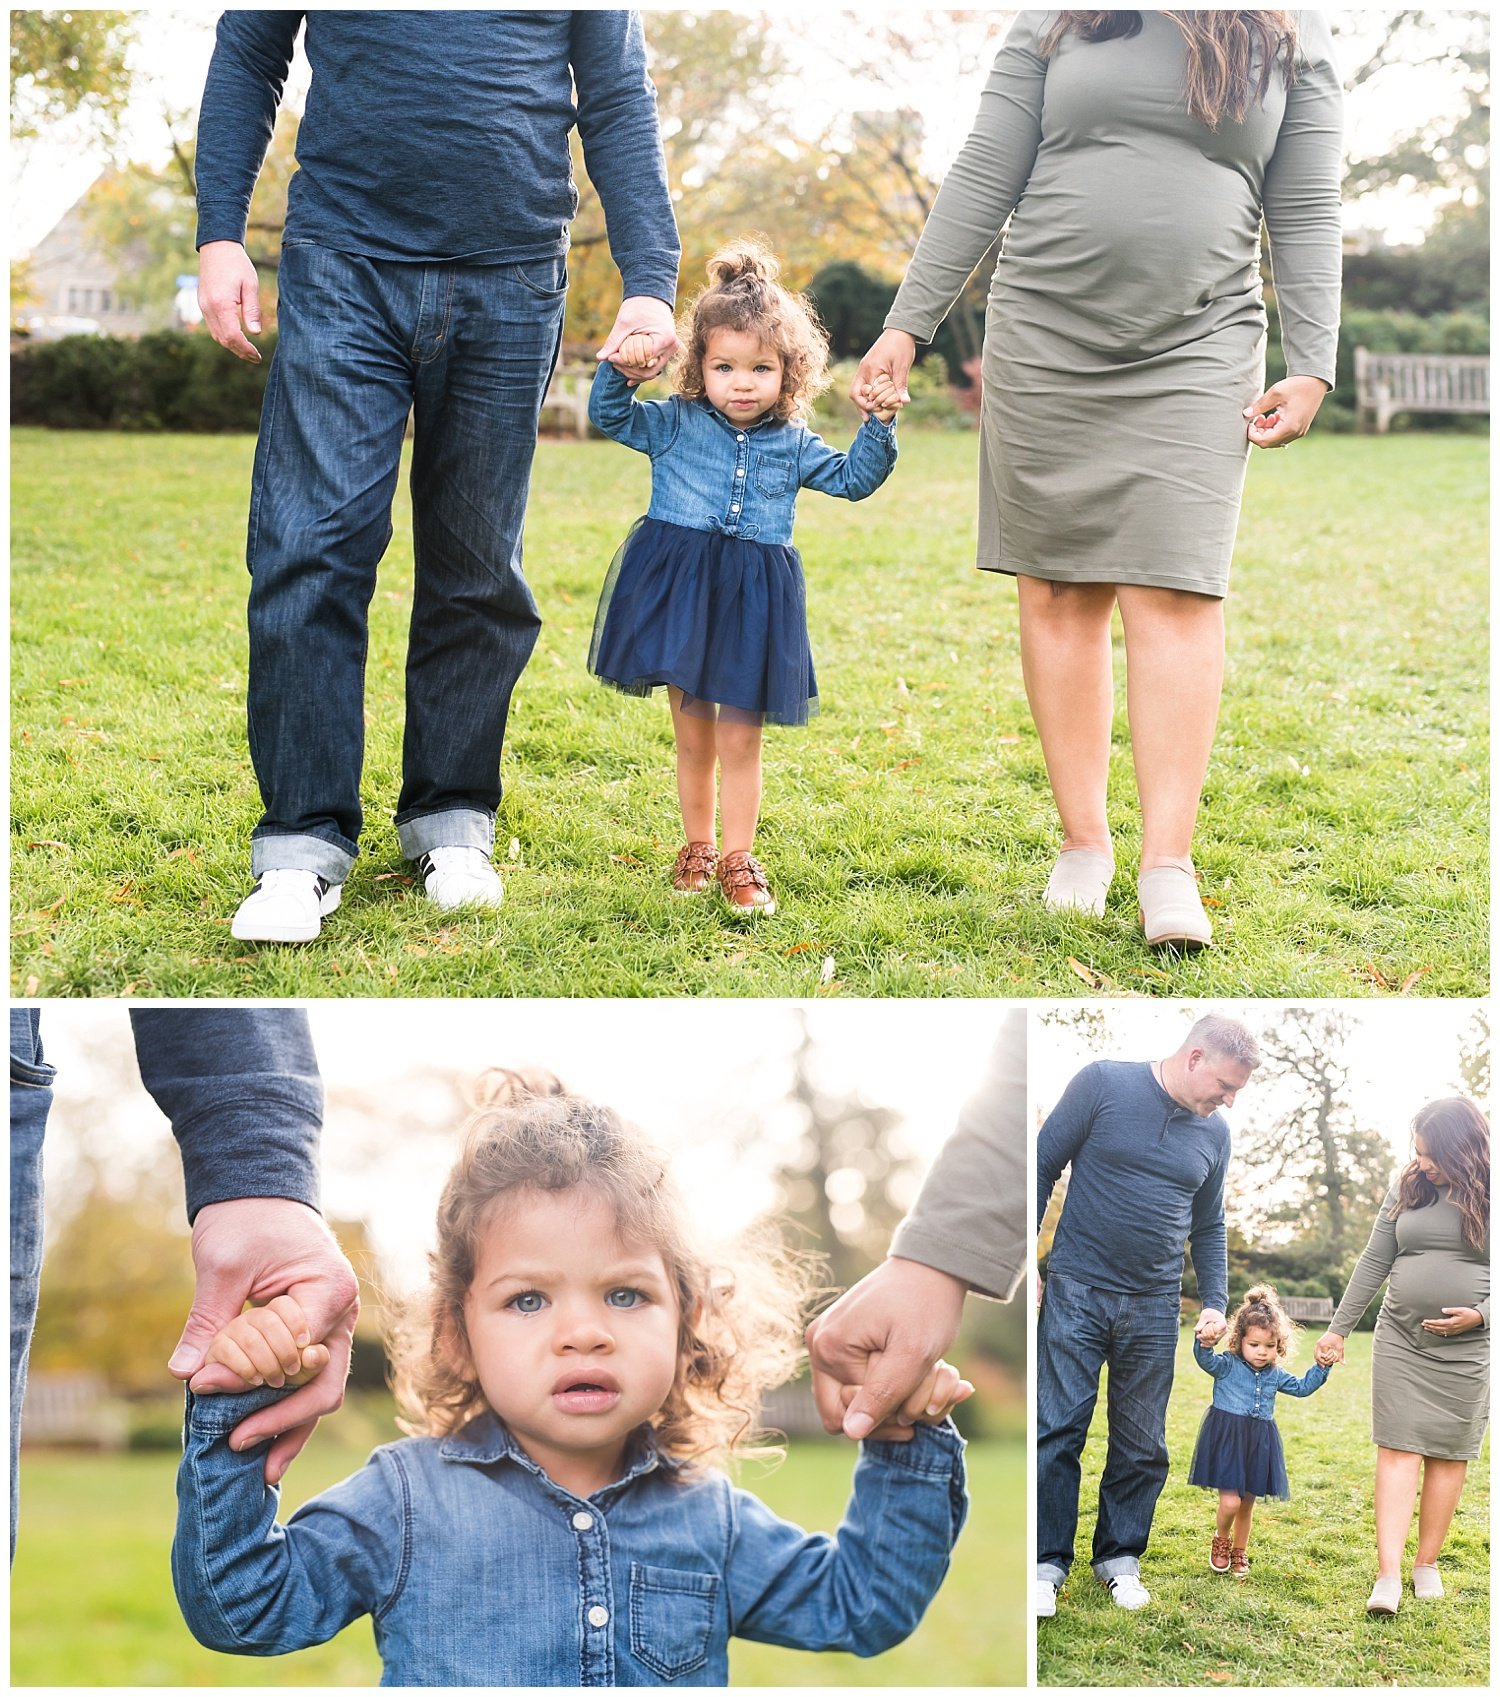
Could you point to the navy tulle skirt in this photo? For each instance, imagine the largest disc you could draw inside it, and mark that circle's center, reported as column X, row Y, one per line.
column 722, row 618
column 1237, row 1453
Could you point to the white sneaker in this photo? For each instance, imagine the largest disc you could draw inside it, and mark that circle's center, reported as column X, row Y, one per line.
column 1043, row 1599
column 460, row 877
column 1128, row 1592
column 287, row 905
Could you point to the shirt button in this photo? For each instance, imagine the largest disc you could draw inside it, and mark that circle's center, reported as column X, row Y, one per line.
column 734, row 506
column 739, row 471
column 583, row 1521
column 739, row 438
column 598, row 1616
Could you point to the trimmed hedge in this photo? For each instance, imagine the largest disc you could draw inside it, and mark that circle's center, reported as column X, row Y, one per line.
column 172, row 381
column 163, row 381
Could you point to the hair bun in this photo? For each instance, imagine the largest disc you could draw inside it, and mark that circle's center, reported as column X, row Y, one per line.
column 509, row 1087
column 1262, row 1293
column 747, row 260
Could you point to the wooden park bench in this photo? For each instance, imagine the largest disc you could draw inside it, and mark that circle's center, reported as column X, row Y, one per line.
column 1386, row 384
column 1301, row 1308
column 76, row 1409
column 565, row 410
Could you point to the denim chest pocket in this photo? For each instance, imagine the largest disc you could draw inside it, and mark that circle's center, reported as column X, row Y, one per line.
column 671, row 1618
column 772, row 474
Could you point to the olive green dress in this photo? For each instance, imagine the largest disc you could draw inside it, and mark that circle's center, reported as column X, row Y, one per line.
column 1429, row 1394
column 1125, row 332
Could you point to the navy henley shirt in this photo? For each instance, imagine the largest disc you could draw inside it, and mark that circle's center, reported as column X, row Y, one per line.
column 1147, row 1178
column 442, row 135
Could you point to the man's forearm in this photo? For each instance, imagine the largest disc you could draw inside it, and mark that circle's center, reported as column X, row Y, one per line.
column 242, row 1089
column 252, row 55
column 617, row 124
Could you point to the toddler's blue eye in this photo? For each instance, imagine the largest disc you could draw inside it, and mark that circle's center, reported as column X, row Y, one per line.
column 625, row 1297
column 528, row 1302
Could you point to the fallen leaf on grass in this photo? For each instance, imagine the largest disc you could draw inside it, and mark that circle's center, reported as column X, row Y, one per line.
column 1007, row 739
column 53, row 908
column 33, row 984
column 1220, row 1676
column 911, row 761
column 190, row 854
column 797, row 949
column 1412, row 977
column 46, row 842
column 385, row 877
column 826, row 975
column 1091, row 976
column 626, row 860
column 515, row 848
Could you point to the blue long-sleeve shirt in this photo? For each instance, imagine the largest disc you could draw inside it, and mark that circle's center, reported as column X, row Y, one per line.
column 740, row 480
column 1240, row 1388
column 1146, row 1179
column 443, row 135
column 479, row 1570
column 242, row 1089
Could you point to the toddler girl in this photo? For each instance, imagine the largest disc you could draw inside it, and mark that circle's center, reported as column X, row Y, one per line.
column 1238, row 1453
column 706, row 594
column 577, row 1373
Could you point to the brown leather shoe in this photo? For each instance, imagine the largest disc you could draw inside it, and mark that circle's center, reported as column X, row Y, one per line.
column 1239, row 1562
column 1218, row 1554
column 693, row 871
column 742, row 878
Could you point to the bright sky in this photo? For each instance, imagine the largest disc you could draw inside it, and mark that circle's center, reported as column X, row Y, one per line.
column 175, row 46
column 677, row 1068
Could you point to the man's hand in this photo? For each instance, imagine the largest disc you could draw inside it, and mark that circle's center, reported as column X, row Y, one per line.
column 1285, row 411
column 228, row 290
column 250, row 1251
column 885, row 368
column 1210, row 1327
column 884, row 1336
column 1328, row 1350
column 641, row 315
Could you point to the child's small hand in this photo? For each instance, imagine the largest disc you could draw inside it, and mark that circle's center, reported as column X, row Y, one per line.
column 268, row 1346
column 930, row 1404
column 637, row 357
column 885, row 399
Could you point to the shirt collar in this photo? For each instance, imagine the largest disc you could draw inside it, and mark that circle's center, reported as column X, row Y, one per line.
column 487, row 1439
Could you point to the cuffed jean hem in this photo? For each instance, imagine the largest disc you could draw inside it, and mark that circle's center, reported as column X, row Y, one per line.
column 1116, row 1567
column 455, row 827
column 1051, row 1571
column 278, row 851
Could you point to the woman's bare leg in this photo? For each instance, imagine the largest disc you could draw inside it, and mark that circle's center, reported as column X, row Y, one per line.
column 1174, row 670
column 1396, row 1473
column 695, row 770
column 1442, row 1486
column 1069, row 673
column 739, row 783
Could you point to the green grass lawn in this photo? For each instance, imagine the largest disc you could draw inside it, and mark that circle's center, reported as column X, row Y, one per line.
column 1299, row 1619
column 908, row 830
column 92, row 1603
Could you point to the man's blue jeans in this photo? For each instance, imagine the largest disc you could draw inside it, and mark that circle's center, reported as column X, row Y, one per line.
column 30, row 1098
column 1081, row 1330
column 363, row 343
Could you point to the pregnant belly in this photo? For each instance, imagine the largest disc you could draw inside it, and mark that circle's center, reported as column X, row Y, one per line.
column 1108, row 249
column 1422, row 1286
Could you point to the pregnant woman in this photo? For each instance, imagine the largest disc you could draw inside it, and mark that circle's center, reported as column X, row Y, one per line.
column 1134, row 155
column 1430, row 1376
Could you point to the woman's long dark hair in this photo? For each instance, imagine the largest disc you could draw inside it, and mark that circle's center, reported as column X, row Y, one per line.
column 1221, row 47
column 1457, row 1136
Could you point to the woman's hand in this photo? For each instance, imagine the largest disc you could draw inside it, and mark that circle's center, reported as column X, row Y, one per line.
column 1329, row 1349
column 889, row 362
column 1285, row 411
column 1454, row 1321
column 931, row 1403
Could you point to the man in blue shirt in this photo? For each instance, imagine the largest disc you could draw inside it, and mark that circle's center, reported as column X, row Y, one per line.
column 1148, row 1154
column 422, row 272
column 243, row 1093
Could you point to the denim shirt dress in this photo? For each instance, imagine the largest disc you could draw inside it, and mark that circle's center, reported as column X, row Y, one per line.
column 706, row 594
column 478, row 1570
column 1240, row 1388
